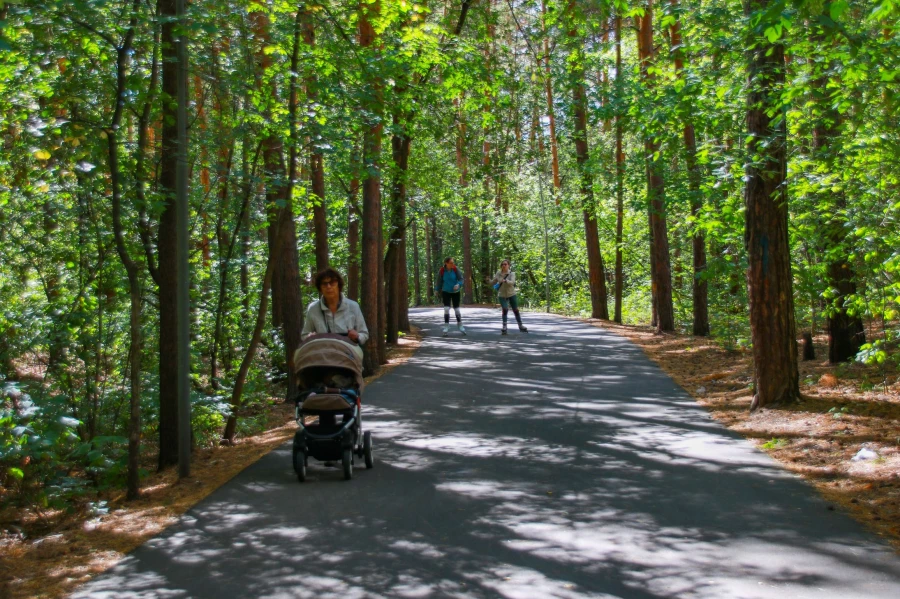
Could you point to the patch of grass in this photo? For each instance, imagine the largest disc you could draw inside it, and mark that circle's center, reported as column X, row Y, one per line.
column 838, row 413
column 775, row 443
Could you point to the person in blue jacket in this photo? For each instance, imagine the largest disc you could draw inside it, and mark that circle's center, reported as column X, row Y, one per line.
column 449, row 284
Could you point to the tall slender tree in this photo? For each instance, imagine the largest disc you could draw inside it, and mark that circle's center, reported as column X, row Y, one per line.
column 769, row 287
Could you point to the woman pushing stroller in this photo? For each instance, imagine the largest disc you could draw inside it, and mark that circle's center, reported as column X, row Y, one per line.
column 334, row 314
column 505, row 284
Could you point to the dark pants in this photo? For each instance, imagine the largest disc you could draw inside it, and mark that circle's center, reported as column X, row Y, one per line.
column 510, row 302
column 451, row 298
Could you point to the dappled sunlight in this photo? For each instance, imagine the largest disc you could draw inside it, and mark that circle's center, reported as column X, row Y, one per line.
column 548, row 467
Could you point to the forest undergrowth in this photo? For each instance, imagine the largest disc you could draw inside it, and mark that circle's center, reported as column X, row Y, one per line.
column 47, row 553
column 845, row 408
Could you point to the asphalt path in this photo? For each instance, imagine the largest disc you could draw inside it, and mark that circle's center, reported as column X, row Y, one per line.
column 557, row 464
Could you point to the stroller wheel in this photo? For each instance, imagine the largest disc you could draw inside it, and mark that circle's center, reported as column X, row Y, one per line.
column 300, row 465
column 347, row 459
column 367, row 449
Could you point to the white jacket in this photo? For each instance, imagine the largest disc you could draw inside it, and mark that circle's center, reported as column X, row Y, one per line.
column 319, row 319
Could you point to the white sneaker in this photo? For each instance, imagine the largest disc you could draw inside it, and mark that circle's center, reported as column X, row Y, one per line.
column 461, row 329
column 446, row 329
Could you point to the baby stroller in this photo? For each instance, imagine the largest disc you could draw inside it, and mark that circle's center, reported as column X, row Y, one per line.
column 330, row 379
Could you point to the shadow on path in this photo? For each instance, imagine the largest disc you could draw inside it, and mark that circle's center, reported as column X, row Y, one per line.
column 558, row 464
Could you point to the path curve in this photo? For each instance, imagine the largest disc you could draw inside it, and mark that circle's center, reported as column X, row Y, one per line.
column 558, row 464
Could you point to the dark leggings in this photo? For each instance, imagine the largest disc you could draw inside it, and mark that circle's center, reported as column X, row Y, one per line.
column 510, row 302
column 448, row 299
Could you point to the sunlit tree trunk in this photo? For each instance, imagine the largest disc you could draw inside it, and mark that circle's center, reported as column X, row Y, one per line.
column 620, row 173
column 661, row 273
column 283, row 237
column 462, row 165
column 371, row 187
column 769, row 285
column 596, row 274
column 551, row 112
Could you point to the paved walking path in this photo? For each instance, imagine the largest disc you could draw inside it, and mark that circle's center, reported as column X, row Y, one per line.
column 558, row 464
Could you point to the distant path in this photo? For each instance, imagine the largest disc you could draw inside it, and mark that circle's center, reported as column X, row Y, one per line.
column 559, row 464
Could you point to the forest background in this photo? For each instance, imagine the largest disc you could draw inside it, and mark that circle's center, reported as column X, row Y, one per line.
column 705, row 166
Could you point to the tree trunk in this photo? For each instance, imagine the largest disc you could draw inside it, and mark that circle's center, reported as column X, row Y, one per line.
column 282, row 237
column 353, row 241
column 596, row 273
column 661, row 273
column 316, row 162
column 395, row 261
column 845, row 332
column 462, row 165
column 429, row 264
column 371, row 234
column 620, row 174
column 551, row 113
column 132, row 269
column 166, row 244
column 771, row 299
column 416, row 277
column 700, row 286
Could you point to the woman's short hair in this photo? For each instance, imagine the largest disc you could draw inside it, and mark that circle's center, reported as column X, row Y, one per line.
column 505, row 260
column 448, row 259
column 328, row 274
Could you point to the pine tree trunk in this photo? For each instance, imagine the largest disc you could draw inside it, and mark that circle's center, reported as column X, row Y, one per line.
column 417, row 281
column 166, row 244
column 620, row 175
column 551, row 113
column 700, row 287
column 353, row 242
column 661, row 272
column 846, row 334
column 371, row 265
column 316, row 162
column 771, row 299
column 596, row 271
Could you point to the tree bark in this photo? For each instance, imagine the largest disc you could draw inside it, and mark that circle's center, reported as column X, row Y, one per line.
column 551, row 113
column 620, row 175
column 395, row 260
column 429, row 264
column 132, row 268
column 353, row 241
column 166, row 244
column 661, row 272
column 700, row 286
column 846, row 334
column 316, row 161
column 771, row 299
column 416, row 275
column 596, row 271
column 371, row 233
column 282, row 237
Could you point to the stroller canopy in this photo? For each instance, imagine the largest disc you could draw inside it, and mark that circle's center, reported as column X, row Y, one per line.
column 323, row 352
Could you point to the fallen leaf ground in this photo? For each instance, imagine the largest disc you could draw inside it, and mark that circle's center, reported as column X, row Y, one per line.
column 844, row 408
column 47, row 554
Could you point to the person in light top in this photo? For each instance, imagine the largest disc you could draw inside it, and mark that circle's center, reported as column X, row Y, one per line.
column 505, row 284
column 334, row 313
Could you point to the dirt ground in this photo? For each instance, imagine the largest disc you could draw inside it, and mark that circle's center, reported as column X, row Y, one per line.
column 845, row 408
column 47, row 554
